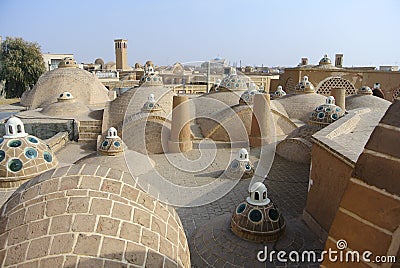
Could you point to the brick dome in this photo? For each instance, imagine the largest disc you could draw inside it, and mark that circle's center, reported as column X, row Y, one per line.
column 84, row 86
column 257, row 219
column 22, row 156
column 90, row 216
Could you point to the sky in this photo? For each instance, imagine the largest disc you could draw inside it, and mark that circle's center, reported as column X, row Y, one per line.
column 253, row 32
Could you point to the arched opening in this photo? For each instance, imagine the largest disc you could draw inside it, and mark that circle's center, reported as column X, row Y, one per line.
column 256, row 196
column 326, row 85
column 264, row 195
column 19, row 129
column 11, row 129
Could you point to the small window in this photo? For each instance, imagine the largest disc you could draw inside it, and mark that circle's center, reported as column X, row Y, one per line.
column 14, row 143
column 15, row 165
column 19, row 128
column 2, row 155
column 273, row 214
column 255, row 216
column 256, row 196
column 117, row 144
column 10, row 129
column 240, row 208
column 32, row 140
column 47, row 156
column 264, row 195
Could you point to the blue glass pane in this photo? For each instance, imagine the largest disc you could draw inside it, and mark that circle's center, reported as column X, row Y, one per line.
column 273, row 214
column 255, row 215
column 15, row 165
column 14, row 143
column 31, row 153
column 32, row 140
column 47, row 156
column 240, row 208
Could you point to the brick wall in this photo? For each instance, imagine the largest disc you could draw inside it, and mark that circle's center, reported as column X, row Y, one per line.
column 369, row 214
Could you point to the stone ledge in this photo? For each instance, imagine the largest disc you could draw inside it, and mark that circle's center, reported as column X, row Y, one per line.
column 58, row 141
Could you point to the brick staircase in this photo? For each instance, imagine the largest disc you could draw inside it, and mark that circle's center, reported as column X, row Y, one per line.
column 89, row 130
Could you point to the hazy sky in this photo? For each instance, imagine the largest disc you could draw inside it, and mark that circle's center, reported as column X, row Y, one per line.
column 255, row 32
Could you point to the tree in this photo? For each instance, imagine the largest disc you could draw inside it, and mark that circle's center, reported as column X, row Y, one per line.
column 21, row 65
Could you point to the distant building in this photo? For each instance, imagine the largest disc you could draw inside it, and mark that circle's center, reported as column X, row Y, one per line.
column 389, row 68
column 52, row 60
column 327, row 75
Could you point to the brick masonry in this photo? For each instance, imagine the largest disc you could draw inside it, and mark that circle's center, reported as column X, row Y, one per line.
column 99, row 219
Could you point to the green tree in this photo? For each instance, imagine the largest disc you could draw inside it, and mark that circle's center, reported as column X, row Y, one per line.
column 21, row 65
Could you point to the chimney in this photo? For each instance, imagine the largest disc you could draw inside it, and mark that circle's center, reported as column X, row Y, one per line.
column 339, row 60
column 304, row 61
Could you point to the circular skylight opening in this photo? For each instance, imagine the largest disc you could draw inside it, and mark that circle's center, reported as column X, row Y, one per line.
column 240, row 208
column 255, row 215
column 32, row 140
column 31, row 153
column 273, row 214
column 15, row 165
column 47, row 157
column 14, row 143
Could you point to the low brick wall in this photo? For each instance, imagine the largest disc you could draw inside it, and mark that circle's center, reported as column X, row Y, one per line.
column 47, row 128
column 58, row 141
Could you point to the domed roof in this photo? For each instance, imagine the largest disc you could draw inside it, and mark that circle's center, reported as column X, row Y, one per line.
column 22, row 156
column 258, row 219
column 65, row 106
column 84, row 86
column 68, row 62
column 91, row 216
column 304, row 86
column 219, row 100
column 240, row 167
column 325, row 60
column 242, row 155
column 150, row 78
column 366, row 101
column 327, row 113
column 110, row 65
column 278, row 93
column 366, row 90
column 325, row 63
column 258, row 187
column 99, row 61
column 234, row 82
column 247, row 97
column 298, row 106
column 151, row 105
column 112, row 144
column 131, row 103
